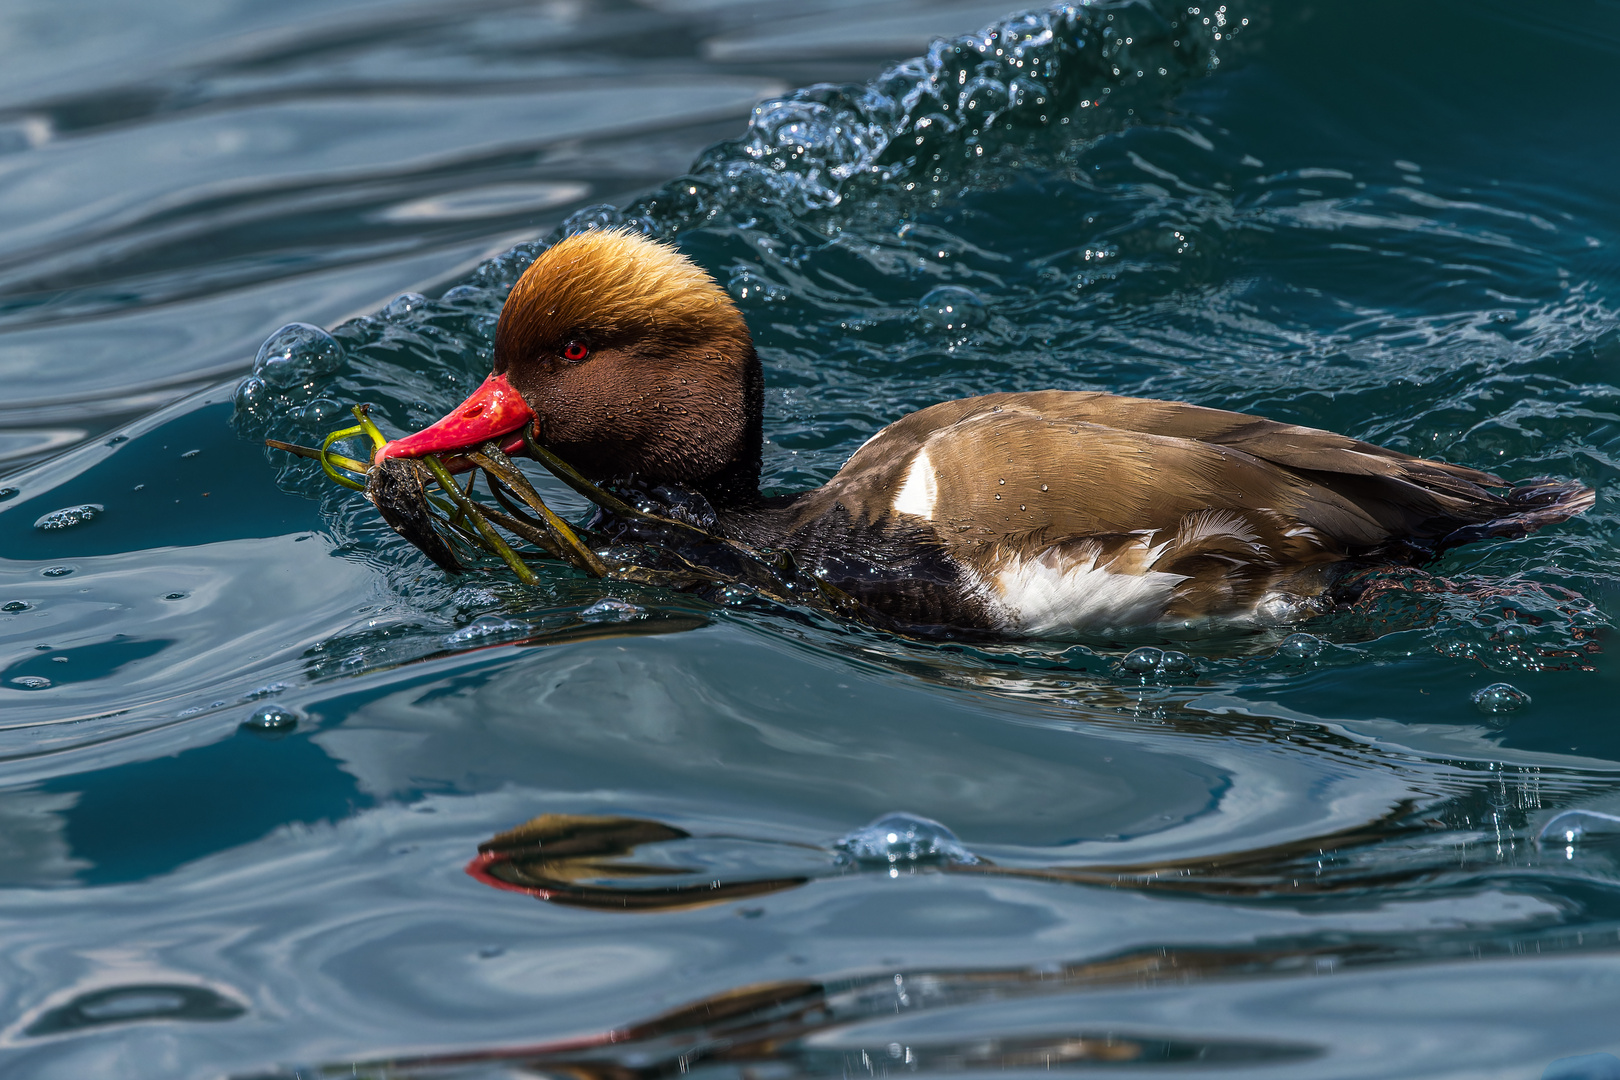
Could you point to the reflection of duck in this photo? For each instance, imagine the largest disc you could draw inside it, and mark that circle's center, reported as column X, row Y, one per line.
column 1029, row 512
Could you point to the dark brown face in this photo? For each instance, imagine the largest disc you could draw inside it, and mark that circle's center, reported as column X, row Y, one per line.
column 637, row 403
column 635, row 363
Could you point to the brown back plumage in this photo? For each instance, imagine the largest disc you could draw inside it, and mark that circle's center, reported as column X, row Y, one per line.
column 1232, row 503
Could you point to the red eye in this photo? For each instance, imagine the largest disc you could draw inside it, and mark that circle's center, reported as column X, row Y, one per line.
column 575, row 350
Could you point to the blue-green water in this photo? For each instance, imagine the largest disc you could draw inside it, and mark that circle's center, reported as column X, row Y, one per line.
column 252, row 740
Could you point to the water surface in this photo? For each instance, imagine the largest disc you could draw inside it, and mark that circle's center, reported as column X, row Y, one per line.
column 263, row 761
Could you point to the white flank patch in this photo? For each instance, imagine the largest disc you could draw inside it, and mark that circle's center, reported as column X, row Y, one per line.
column 1051, row 593
column 920, row 491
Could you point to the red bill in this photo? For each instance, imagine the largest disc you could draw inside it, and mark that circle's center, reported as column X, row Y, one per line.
column 494, row 411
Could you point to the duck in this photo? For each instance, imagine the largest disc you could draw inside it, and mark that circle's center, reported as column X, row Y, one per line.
column 1042, row 513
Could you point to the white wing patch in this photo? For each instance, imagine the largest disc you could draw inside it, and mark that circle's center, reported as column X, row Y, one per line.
column 1053, row 592
column 920, row 492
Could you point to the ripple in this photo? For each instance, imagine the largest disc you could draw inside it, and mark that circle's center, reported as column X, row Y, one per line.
column 134, row 1004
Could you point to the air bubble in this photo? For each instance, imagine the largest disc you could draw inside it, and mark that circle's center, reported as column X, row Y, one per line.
column 69, row 516
column 320, row 411
column 951, row 307
column 1176, row 663
column 15, row 606
column 1573, row 826
column 1500, row 698
column 403, row 304
column 610, row 609
column 31, row 682
column 1514, row 633
column 295, row 355
column 56, row 571
column 251, row 393
column 8, row 493
column 904, row 839
column 1143, row 661
column 1300, row 646
column 271, row 720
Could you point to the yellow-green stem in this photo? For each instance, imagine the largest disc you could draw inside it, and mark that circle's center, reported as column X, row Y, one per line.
column 508, row 556
column 497, row 463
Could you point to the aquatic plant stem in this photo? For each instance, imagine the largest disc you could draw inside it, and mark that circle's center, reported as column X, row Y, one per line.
column 326, row 465
column 491, row 537
column 570, row 476
column 362, row 413
column 315, row 454
column 497, row 464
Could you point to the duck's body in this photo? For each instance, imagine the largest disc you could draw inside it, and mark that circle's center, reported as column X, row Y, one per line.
column 1032, row 513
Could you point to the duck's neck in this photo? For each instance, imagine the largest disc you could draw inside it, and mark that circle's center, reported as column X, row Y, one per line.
column 736, row 486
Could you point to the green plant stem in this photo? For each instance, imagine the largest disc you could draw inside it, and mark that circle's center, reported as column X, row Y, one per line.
column 315, row 454
column 362, row 413
column 496, row 463
column 501, row 548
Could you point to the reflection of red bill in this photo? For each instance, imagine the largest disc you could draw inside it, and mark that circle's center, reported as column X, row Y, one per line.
column 494, row 410
column 479, row 870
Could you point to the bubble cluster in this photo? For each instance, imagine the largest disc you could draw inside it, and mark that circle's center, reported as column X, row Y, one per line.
column 956, row 105
column 895, row 840
column 487, row 627
column 69, row 516
column 1149, row 663
column 267, row 690
column 609, row 609
column 289, row 369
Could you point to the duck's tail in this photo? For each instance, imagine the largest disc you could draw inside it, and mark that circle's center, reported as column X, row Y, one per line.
column 1531, row 504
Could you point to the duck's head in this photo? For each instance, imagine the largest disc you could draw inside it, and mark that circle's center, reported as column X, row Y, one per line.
column 625, row 358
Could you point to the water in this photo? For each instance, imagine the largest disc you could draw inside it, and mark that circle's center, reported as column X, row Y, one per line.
column 282, row 798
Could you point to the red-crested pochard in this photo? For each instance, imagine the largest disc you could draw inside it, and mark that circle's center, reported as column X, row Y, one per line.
column 1030, row 513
